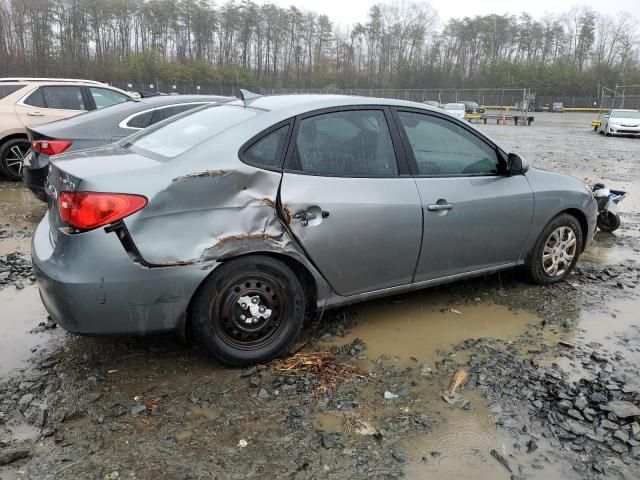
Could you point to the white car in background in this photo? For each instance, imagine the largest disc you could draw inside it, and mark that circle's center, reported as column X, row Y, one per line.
column 620, row 122
column 455, row 109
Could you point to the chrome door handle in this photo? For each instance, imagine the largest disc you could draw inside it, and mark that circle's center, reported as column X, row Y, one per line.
column 35, row 114
column 436, row 207
column 305, row 215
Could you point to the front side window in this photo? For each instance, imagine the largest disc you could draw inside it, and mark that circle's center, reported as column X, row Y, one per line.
column 168, row 140
column 268, row 150
column 443, row 148
column 351, row 143
column 103, row 97
column 63, row 97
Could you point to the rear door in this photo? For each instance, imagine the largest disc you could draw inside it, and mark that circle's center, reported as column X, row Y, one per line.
column 475, row 216
column 353, row 206
column 51, row 102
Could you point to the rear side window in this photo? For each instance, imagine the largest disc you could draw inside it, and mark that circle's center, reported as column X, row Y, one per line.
column 169, row 112
column 351, row 143
column 36, row 99
column 142, row 120
column 268, row 150
column 60, row 97
column 6, row 90
column 103, row 97
column 168, row 140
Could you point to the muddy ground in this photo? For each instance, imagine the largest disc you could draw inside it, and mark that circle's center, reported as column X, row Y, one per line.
column 552, row 392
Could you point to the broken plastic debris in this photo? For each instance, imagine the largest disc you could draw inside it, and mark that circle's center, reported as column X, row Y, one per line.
column 390, row 395
column 243, row 443
column 112, row 370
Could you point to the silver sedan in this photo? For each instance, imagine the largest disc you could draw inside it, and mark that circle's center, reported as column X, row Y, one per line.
column 237, row 219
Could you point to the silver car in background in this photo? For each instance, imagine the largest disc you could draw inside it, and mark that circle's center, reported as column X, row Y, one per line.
column 456, row 109
column 237, row 219
column 620, row 122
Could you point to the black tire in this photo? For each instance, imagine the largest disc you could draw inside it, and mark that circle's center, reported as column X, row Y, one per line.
column 11, row 162
column 608, row 222
column 536, row 264
column 220, row 321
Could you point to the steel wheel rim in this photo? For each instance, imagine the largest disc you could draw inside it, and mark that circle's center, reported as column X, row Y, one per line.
column 559, row 251
column 231, row 320
column 14, row 160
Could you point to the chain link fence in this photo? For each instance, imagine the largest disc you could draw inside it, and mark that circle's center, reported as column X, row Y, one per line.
column 498, row 97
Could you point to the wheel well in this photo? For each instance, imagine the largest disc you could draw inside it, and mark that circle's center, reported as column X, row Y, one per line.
column 582, row 220
column 13, row 136
column 304, row 276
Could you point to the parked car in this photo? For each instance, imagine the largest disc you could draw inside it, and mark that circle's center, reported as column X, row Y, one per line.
column 538, row 107
column 472, row 107
column 620, row 122
column 557, row 107
column 235, row 219
column 432, row 103
column 26, row 102
column 455, row 109
column 97, row 128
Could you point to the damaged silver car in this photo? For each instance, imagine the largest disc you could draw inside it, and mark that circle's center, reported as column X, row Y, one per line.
column 237, row 219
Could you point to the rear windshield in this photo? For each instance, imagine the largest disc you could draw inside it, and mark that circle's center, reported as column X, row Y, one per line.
column 9, row 89
column 183, row 132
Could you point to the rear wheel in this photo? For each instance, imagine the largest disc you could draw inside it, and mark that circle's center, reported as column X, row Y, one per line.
column 12, row 155
column 608, row 222
column 250, row 310
column 556, row 251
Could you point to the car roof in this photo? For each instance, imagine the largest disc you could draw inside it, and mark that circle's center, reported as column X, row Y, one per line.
column 48, row 80
column 300, row 103
column 118, row 112
column 623, row 110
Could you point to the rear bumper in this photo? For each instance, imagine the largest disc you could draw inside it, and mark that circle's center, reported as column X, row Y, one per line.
column 90, row 286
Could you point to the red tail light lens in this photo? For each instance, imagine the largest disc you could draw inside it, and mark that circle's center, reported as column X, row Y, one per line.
column 50, row 147
column 88, row 210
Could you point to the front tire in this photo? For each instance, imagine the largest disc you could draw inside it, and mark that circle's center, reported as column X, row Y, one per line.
column 250, row 310
column 556, row 251
column 608, row 222
column 12, row 155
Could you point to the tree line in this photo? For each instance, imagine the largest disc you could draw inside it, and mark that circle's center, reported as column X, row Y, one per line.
column 401, row 45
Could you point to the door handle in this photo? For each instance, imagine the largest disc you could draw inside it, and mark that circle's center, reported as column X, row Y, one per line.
column 437, row 207
column 35, row 114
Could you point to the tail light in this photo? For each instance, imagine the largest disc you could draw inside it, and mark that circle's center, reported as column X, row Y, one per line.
column 50, row 147
column 88, row 210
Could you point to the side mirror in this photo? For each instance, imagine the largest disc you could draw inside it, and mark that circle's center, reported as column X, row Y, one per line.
column 516, row 165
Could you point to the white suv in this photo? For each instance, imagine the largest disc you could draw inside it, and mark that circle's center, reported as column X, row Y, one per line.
column 25, row 102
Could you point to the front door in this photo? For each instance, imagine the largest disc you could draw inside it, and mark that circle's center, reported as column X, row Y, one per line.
column 475, row 216
column 354, row 208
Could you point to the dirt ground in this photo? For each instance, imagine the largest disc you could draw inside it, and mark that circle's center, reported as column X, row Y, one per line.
column 550, row 389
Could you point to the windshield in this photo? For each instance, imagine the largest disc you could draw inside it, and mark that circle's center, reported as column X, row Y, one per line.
column 454, row 106
column 626, row 114
column 171, row 139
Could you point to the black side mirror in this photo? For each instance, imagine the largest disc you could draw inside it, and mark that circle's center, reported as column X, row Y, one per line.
column 516, row 165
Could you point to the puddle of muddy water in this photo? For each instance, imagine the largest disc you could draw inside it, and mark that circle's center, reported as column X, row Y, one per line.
column 22, row 311
column 420, row 324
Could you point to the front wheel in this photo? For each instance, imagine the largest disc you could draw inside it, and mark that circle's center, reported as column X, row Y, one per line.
column 608, row 222
column 250, row 310
column 556, row 251
column 12, row 156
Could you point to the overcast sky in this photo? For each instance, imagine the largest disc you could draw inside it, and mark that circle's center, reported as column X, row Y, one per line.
column 347, row 12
